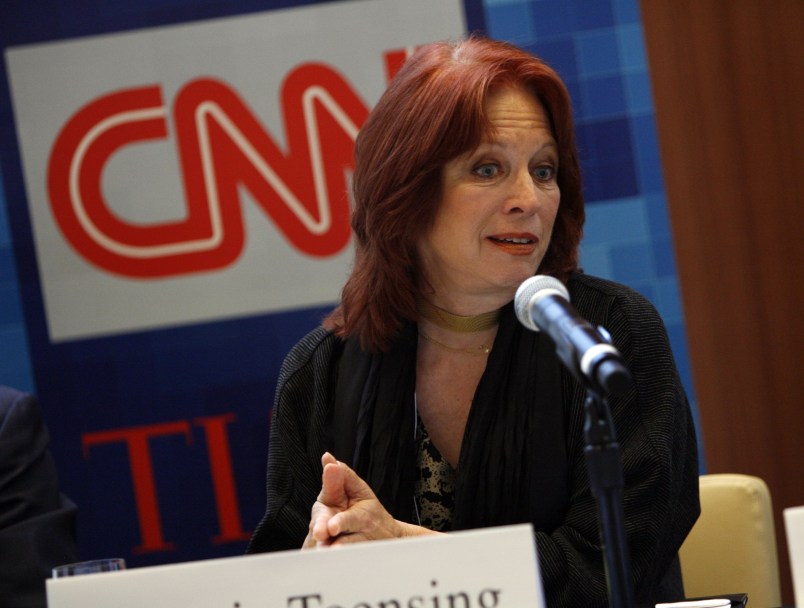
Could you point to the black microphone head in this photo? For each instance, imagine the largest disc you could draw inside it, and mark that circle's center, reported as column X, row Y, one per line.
column 531, row 291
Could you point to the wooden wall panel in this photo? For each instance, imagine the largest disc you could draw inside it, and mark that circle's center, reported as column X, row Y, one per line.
column 728, row 84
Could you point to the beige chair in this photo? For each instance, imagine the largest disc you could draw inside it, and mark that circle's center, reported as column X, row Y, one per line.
column 732, row 547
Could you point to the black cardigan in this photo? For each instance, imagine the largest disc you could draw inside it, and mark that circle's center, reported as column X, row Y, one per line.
column 654, row 429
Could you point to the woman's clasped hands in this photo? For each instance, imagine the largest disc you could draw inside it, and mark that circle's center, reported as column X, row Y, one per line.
column 348, row 511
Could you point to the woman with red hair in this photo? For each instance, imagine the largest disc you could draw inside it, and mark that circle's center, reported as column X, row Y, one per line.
column 422, row 405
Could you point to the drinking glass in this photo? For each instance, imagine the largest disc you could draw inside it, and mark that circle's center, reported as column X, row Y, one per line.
column 109, row 564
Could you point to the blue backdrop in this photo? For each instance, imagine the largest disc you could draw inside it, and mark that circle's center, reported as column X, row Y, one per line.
column 161, row 435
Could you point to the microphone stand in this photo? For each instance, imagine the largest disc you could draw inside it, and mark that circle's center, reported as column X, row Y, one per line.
column 606, row 480
column 542, row 303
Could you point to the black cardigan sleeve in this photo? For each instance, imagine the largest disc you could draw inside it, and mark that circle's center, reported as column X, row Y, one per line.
column 657, row 441
column 296, row 442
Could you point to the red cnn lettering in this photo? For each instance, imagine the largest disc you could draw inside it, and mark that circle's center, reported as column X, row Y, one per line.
column 222, row 147
column 394, row 60
column 142, row 474
column 220, row 464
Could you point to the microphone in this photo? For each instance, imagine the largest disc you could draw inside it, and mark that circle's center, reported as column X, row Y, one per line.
column 542, row 303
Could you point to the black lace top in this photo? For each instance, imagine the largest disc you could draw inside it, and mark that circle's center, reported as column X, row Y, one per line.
column 434, row 492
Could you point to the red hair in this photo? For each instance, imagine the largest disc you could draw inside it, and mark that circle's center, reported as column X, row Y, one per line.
column 433, row 111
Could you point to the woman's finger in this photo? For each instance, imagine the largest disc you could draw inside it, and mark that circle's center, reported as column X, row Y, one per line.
column 319, row 524
column 333, row 489
column 327, row 458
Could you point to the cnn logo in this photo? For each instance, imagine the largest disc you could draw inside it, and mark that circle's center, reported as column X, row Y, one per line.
column 221, row 147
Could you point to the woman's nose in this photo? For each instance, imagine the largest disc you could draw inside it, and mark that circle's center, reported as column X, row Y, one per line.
column 523, row 196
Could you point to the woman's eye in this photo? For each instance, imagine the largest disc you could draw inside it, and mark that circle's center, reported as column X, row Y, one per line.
column 544, row 173
column 488, row 170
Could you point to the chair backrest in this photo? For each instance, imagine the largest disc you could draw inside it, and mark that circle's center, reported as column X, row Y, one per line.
column 732, row 547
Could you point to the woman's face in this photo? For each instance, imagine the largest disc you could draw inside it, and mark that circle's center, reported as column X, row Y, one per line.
column 499, row 204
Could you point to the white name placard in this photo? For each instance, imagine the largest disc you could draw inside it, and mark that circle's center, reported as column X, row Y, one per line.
column 794, row 527
column 489, row 568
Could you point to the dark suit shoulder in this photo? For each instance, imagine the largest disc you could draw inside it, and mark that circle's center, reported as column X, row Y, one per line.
column 15, row 402
column 22, row 428
column 37, row 523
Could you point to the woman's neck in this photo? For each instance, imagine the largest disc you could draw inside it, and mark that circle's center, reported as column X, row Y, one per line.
column 446, row 319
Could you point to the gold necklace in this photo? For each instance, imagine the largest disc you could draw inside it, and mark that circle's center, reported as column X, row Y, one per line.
column 480, row 350
column 447, row 320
